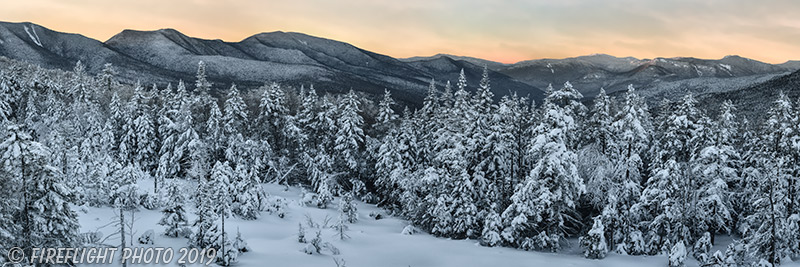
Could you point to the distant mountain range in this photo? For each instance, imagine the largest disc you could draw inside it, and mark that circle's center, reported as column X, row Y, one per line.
column 289, row 58
column 292, row 59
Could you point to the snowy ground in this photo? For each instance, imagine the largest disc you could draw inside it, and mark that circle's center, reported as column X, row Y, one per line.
column 273, row 240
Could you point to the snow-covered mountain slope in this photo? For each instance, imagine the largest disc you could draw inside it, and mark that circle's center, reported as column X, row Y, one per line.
column 51, row 49
column 371, row 242
column 659, row 77
column 167, row 55
column 450, row 68
column 791, row 64
column 589, row 73
column 753, row 101
column 492, row 65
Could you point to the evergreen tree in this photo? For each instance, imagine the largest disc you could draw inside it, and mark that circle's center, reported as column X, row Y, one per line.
column 174, row 218
column 568, row 98
column 677, row 255
column 348, row 209
column 349, row 134
column 716, row 166
column 206, row 228
column 106, row 77
column 462, row 80
column 307, row 115
column 248, row 193
column 202, row 85
column 386, row 116
column 490, row 236
column 660, row 208
column 631, row 134
column 235, row 118
column 145, row 134
column 214, row 199
column 767, row 233
column 37, row 195
column 447, row 95
column 214, row 132
column 219, row 192
column 272, row 111
column 543, row 205
column 483, row 99
column 671, row 194
column 319, row 169
column 599, row 128
column 594, row 242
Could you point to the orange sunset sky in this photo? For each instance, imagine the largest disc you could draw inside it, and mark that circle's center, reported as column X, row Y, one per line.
column 501, row 30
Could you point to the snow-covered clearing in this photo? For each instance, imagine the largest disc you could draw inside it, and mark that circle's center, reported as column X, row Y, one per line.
column 273, row 240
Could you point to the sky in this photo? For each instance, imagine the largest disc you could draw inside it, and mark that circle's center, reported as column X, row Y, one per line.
column 501, row 30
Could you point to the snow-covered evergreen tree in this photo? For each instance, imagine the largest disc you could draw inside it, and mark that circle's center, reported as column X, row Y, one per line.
column 235, row 118
column 631, row 133
column 660, row 207
column 320, row 172
column 347, row 208
column 36, row 193
column 386, row 115
column 716, row 166
column 144, row 129
column 677, row 255
column 594, row 242
column 174, row 218
column 202, row 85
column 766, row 234
column 215, row 203
column 349, row 133
column 490, row 236
column 543, row 205
column 248, row 194
column 214, row 132
column 598, row 128
column 272, row 112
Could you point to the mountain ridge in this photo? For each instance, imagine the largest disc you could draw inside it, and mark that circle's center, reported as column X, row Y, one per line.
column 166, row 55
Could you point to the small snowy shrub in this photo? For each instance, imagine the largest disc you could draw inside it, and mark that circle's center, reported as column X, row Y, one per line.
column 635, row 244
column 347, row 208
column 409, row 230
column 375, row 215
column 735, row 253
column 276, row 205
column 316, row 243
column 341, row 227
column 147, row 237
column 762, row 263
column 702, row 247
column 308, row 199
column 490, row 236
column 239, row 243
column 90, row 238
column 677, row 255
column 301, row 233
column 150, row 201
column 594, row 243
column 331, row 248
column 339, row 262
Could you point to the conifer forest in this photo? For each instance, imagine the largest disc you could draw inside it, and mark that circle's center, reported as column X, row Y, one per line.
column 611, row 174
